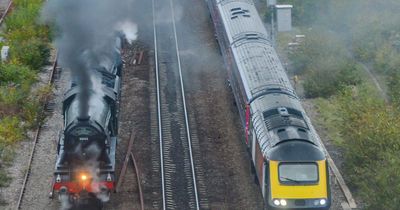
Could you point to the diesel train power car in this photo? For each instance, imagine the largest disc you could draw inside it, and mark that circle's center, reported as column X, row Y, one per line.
column 287, row 157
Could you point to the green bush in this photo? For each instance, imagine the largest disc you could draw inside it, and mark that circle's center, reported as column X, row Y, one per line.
column 320, row 83
column 319, row 46
column 17, row 74
column 11, row 130
column 29, row 52
column 4, row 178
column 20, row 108
column 6, row 158
column 27, row 3
column 25, row 14
column 330, row 78
column 384, row 58
column 26, row 33
column 371, row 144
column 394, row 87
column 33, row 112
column 32, row 52
column 349, row 74
column 323, row 60
column 367, row 131
column 382, row 188
column 28, row 40
column 365, row 126
column 11, row 99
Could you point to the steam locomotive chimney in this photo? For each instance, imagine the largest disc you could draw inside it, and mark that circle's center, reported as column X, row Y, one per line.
column 83, row 98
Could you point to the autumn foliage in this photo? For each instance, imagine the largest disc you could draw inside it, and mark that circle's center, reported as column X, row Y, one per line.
column 20, row 104
column 339, row 35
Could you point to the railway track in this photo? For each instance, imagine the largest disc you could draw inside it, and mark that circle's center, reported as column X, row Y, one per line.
column 5, row 12
column 178, row 175
column 48, row 107
column 129, row 156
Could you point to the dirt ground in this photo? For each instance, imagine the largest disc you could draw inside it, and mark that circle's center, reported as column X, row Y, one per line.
column 229, row 182
column 212, row 115
column 134, row 116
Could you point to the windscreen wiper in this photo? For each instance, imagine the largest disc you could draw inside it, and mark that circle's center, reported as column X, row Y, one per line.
column 289, row 179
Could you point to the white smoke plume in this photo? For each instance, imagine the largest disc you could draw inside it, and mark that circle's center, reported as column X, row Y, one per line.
column 65, row 203
column 129, row 29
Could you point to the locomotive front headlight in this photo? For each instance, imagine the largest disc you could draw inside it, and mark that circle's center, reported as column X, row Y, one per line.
column 283, row 202
column 277, row 202
column 83, row 177
column 322, row 202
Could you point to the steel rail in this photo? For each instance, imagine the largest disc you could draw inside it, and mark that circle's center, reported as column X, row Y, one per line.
column 138, row 181
column 3, row 16
column 184, row 106
column 159, row 106
column 129, row 155
column 36, row 139
column 126, row 160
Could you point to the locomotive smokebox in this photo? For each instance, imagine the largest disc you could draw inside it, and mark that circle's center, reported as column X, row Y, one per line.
column 83, row 118
column 84, row 138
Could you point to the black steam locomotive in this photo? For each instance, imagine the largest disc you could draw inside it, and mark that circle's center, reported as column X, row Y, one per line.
column 85, row 165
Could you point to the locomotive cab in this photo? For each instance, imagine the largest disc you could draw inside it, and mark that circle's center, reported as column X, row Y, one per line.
column 298, row 176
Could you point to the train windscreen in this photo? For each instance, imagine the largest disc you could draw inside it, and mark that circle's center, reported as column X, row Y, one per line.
column 298, row 173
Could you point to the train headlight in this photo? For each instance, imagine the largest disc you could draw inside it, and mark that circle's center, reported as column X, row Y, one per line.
column 283, row 202
column 277, row 202
column 83, row 177
column 322, row 202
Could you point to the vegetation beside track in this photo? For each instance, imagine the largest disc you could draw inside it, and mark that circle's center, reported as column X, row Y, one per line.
column 20, row 104
column 342, row 38
column 322, row 60
column 367, row 130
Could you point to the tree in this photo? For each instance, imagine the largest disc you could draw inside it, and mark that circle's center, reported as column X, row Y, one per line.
column 371, row 144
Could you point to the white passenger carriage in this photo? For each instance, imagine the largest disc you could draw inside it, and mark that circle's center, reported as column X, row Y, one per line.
column 290, row 164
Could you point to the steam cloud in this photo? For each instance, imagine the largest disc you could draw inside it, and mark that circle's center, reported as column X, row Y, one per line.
column 86, row 31
column 65, row 204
